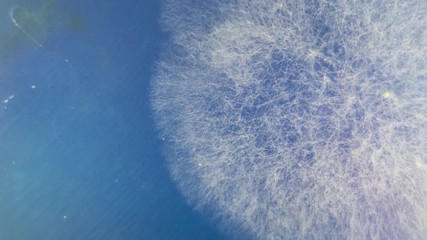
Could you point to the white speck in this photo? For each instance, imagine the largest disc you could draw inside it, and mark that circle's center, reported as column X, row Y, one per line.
column 33, row 86
column 13, row 162
column 66, row 60
column 65, row 217
column 9, row 98
column 387, row 95
column 117, row 180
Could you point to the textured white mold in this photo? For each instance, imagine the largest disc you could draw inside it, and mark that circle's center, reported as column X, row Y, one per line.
column 299, row 119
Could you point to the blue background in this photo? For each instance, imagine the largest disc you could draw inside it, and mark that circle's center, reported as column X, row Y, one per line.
column 79, row 154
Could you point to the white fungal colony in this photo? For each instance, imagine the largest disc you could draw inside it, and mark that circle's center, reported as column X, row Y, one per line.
column 298, row 119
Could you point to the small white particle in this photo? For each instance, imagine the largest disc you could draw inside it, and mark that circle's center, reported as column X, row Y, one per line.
column 387, row 95
column 9, row 98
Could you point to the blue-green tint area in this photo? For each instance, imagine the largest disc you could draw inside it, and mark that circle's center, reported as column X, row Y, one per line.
column 79, row 154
